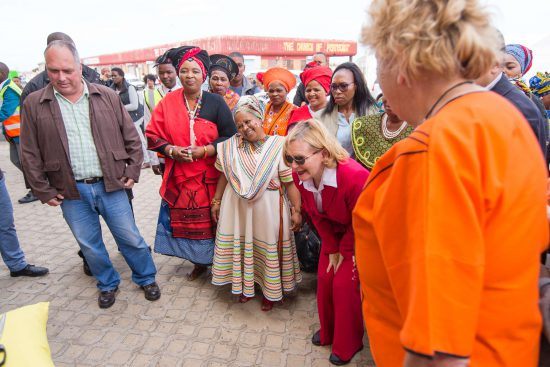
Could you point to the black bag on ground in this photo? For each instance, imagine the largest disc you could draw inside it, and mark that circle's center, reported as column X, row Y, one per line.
column 308, row 247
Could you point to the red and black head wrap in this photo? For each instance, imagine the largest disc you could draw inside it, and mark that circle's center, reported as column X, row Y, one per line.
column 191, row 53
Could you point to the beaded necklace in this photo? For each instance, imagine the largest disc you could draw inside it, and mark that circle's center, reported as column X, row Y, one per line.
column 391, row 134
column 192, row 115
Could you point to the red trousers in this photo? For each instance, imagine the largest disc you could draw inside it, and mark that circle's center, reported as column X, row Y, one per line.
column 339, row 305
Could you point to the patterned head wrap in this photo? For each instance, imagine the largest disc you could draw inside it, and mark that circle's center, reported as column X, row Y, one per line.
column 225, row 64
column 252, row 105
column 540, row 84
column 167, row 58
column 190, row 53
column 523, row 55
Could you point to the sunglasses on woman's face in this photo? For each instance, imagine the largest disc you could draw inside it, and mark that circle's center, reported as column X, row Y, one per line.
column 300, row 161
column 341, row 86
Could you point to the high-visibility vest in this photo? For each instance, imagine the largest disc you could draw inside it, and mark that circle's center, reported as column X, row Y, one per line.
column 12, row 124
column 157, row 97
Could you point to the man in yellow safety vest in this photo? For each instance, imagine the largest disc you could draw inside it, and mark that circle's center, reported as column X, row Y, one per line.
column 168, row 82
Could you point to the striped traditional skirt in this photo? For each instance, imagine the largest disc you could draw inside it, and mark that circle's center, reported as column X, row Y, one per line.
column 246, row 248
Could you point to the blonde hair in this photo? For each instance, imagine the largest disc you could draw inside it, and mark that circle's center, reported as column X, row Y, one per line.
column 439, row 36
column 317, row 136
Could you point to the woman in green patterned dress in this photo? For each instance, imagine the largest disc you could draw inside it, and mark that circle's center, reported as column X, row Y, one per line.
column 374, row 134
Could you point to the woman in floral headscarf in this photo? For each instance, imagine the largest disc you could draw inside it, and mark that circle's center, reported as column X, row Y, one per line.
column 540, row 86
column 254, row 240
column 186, row 126
column 517, row 62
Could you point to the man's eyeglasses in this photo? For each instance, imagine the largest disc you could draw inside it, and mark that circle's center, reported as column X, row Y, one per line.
column 300, row 161
column 341, row 86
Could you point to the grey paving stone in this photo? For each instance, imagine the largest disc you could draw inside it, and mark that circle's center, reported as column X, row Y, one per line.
column 193, row 324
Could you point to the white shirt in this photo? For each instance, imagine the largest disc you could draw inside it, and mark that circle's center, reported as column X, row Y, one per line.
column 328, row 179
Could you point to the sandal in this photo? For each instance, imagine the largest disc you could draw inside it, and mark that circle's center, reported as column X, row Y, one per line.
column 198, row 270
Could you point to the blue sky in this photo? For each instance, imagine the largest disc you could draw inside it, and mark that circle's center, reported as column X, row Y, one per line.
column 103, row 26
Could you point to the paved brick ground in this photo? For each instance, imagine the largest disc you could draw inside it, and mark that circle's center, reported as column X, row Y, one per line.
column 193, row 324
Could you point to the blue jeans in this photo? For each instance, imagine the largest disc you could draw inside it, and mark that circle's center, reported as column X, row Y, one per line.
column 9, row 243
column 82, row 216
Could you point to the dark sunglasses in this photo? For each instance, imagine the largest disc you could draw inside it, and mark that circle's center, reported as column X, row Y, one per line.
column 300, row 161
column 342, row 86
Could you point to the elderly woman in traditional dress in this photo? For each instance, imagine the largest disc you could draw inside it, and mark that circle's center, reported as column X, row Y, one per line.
column 452, row 221
column 277, row 83
column 254, row 239
column 186, row 126
column 222, row 71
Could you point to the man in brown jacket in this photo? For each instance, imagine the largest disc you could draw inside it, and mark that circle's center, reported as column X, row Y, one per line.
column 80, row 150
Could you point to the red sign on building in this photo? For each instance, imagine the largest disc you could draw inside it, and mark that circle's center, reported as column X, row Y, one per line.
column 256, row 46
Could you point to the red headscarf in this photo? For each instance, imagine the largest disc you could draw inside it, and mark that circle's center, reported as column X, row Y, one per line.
column 281, row 75
column 321, row 74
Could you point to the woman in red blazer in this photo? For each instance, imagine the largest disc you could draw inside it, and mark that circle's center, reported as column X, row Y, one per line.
column 330, row 183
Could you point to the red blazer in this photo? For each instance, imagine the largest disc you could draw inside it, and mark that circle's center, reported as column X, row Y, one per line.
column 334, row 224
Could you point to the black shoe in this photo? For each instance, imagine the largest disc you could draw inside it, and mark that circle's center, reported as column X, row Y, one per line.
column 152, row 291
column 85, row 265
column 316, row 338
column 30, row 271
column 29, row 198
column 107, row 298
column 335, row 360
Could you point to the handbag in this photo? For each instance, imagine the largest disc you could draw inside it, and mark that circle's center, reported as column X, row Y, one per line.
column 136, row 114
column 308, row 248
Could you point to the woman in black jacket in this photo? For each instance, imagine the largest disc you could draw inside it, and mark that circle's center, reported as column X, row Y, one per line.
column 128, row 94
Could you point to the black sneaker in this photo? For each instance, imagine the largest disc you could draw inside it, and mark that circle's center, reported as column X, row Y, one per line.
column 29, row 198
column 107, row 298
column 30, row 271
